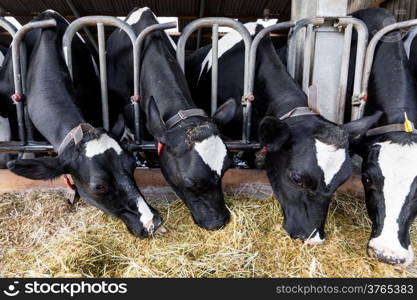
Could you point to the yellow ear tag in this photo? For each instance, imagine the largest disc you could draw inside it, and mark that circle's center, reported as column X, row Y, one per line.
column 408, row 126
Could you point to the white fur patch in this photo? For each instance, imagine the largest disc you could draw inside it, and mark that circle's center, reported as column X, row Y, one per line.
column 314, row 239
column 330, row 159
column 135, row 17
column 213, row 152
column 226, row 43
column 398, row 165
column 146, row 214
column 101, row 145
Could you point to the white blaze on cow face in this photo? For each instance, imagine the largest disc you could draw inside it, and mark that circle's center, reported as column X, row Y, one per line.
column 226, row 43
column 146, row 214
column 101, row 145
column 330, row 159
column 213, row 152
column 398, row 166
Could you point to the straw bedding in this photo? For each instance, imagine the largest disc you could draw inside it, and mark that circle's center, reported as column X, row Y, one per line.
column 41, row 235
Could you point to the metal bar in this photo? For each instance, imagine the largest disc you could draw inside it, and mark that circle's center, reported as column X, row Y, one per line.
column 99, row 21
column 291, row 58
column 91, row 21
column 362, row 42
column 231, row 145
column 214, row 67
column 370, row 52
column 44, row 147
column 103, row 75
column 307, row 58
column 86, row 30
column 255, row 44
column 247, row 39
column 137, row 62
column 9, row 27
column 17, row 72
column 410, row 37
column 200, row 15
column 344, row 72
column 34, row 147
column 252, row 69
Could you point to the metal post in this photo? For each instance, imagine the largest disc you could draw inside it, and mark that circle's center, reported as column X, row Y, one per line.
column 409, row 40
column 344, row 72
column 17, row 72
column 252, row 64
column 247, row 39
column 137, row 62
column 214, row 67
column 292, row 40
column 369, row 58
column 309, row 40
column 362, row 42
column 97, row 20
column 103, row 75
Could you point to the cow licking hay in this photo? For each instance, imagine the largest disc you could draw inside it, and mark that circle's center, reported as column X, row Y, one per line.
column 42, row 236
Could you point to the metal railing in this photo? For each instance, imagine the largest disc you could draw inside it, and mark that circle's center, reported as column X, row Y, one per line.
column 369, row 58
column 98, row 21
column 19, row 73
column 247, row 96
column 348, row 24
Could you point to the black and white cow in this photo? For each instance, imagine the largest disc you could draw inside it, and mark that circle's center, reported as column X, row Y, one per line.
column 389, row 157
column 307, row 157
column 100, row 167
column 194, row 157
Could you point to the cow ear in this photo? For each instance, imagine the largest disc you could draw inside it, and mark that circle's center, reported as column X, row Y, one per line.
column 39, row 169
column 119, row 127
column 358, row 128
column 225, row 113
column 274, row 133
column 154, row 121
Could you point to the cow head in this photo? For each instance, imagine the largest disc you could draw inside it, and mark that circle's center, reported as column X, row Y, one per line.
column 103, row 174
column 305, row 165
column 389, row 173
column 193, row 161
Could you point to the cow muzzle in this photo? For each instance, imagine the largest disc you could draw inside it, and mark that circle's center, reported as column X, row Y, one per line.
column 390, row 253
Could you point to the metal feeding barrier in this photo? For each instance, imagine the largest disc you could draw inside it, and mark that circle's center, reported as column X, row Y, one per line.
column 333, row 106
column 19, row 72
column 137, row 45
column 247, row 96
column 369, row 58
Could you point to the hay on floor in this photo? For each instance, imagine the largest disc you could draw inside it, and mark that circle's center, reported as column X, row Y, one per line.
column 43, row 236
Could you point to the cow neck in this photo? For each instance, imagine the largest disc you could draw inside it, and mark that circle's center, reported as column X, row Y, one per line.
column 276, row 87
column 51, row 97
column 163, row 79
column 392, row 90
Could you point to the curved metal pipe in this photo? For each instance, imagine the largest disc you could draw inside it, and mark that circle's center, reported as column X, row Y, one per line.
column 17, row 71
column 137, row 62
column 291, row 57
column 369, row 57
column 247, row 39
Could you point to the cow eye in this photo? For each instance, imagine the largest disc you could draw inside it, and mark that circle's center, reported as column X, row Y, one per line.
column 101, row 188
column 296, row 178
column 366, row 180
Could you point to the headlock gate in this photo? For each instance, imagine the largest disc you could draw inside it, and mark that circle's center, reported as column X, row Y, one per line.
column 364, row 59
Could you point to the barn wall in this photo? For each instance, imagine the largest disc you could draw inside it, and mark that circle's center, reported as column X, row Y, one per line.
column 402, row 9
